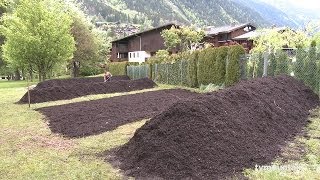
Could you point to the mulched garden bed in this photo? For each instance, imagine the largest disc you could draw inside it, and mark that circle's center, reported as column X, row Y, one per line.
column 94, row 117
column 75, row 90
column 73, row 81
column 217, row 135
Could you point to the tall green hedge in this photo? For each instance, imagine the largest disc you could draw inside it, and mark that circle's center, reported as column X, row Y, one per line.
column 233, row 65
column 118, row 68
column 272, row 65
column 206, row 66
column 299, row 64
column 220, row 66
column 310, row 76
column 192, row 69
column 260, row 63
column 282, row 63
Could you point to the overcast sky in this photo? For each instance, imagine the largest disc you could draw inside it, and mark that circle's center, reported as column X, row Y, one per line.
column 311, row 4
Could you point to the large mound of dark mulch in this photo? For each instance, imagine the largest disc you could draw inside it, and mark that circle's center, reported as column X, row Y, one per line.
column 217, row 135
column 94, row 117
column 74, row 81
column 55, row 93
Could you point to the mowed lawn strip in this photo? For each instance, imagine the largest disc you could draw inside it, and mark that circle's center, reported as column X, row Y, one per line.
column 94, row 117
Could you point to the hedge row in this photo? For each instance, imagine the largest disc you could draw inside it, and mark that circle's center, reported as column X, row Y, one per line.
column 219, row 65
column 208, row 66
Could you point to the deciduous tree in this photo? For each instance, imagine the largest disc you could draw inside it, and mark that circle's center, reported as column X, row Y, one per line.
column 38, row 34
column 185, row 38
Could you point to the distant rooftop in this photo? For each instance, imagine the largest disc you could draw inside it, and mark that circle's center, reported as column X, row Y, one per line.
column 139, row 33
column 211, row 30
column 253, row 34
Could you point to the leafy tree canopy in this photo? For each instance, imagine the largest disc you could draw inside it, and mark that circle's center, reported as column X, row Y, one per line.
column 274, row 39
column 185, row 38
column 38, row 35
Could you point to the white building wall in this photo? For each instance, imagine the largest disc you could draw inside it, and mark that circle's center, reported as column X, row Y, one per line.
column 138, row 56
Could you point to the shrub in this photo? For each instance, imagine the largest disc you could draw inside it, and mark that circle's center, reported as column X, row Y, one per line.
column 206, row 65
column 282, row 63
column 117, row 68
column 90, row 70
column 160, row 57
column 299, row 64
column 272, row 65
column 220, row 66
column 233, row 67
column 192, row 69
column 310, row 78
column 260, row 64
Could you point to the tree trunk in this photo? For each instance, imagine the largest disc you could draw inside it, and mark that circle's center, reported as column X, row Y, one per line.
column 75, row 69
column 23, row 72
column 17, row 75
column 44, row 76
column 31, row 74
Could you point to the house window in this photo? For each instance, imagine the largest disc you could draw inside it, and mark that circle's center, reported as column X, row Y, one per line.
column 137, row 55
column 134, row 55
column 130, row 55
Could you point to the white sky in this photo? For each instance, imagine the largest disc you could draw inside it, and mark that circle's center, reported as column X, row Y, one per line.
column 310, row 4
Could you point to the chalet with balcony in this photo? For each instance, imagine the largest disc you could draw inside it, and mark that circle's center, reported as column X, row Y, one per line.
column 224, row 35
column 139, row 46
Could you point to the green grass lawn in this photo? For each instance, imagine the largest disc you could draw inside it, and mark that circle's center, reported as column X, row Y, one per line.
column 28, row 150
column 15, row 84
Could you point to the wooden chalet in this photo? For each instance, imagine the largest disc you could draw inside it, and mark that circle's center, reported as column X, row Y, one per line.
column 139, row 46
column 225, row 35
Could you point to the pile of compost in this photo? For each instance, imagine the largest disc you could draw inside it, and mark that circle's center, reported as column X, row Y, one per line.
column 55, row 93
column 74, row 81
column 217, row 135
column 94, row 117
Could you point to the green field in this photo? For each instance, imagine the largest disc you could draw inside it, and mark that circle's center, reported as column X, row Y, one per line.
column 28, row 150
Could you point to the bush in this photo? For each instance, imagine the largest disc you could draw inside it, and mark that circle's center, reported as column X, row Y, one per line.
column 160, row 57
column 272, row 65
column 311, row 70
column 233, row 67
column 118, row 68
column 90, row 70
column 206, row 66
column 299, row 64
column 192, row 69
column 282, row 63
column 220, row 66
column 260, row 63
column 209, row 88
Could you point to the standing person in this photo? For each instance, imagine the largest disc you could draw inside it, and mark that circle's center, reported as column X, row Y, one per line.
column 107, row 76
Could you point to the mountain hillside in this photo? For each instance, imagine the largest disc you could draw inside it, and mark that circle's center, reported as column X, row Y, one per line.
column 270, row 13
column 200, row 12
column 301, row 11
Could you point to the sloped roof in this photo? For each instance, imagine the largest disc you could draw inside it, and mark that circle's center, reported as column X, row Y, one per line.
column 142, row 32
column 253, row 34
column 225, row 29
column 249, row 35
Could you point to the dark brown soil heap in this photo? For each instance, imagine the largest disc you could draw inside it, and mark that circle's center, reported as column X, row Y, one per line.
column 94, row 117
column 73, row 81
column 217, row 135
column 39, row 95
